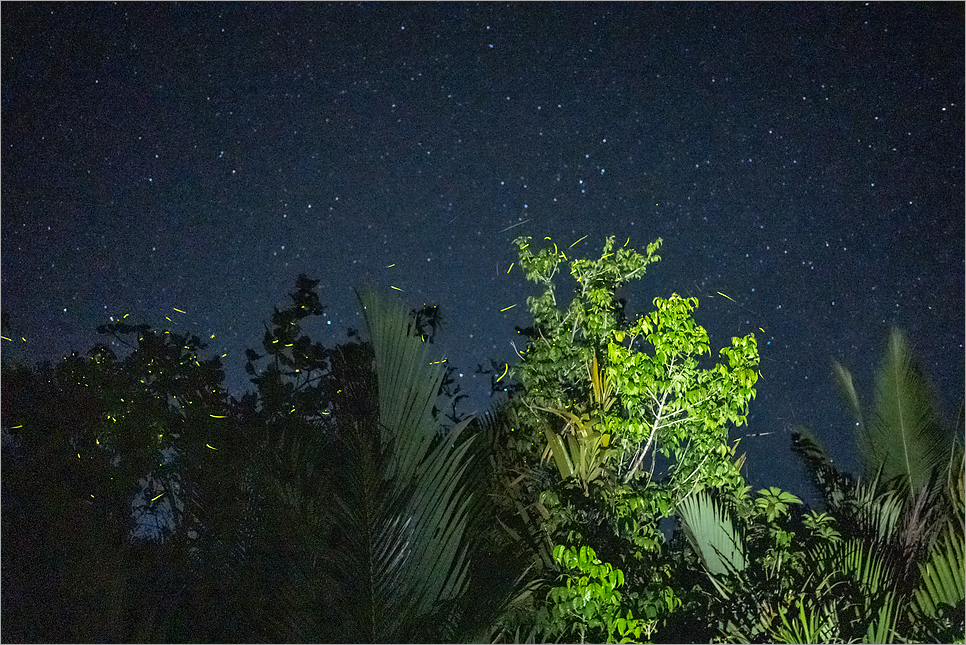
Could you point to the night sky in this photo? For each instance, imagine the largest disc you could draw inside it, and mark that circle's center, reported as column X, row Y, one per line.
column 804, row 159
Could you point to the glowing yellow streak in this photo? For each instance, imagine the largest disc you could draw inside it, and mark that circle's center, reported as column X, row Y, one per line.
column 726, row 296
column 211, row 446
column 508, row 270
column 505, row 370
column 23, row 339
column 391, row 265
column 11, row 340
column 217, row 416
column 762, row 330
column 168, row 319
column 212, row 335
column 627, row 242
column 396, row 288
column 125, row 316
column 156, row 497
column 505, row 308
column 15, row 427
column 578, row 241
column 178, row 310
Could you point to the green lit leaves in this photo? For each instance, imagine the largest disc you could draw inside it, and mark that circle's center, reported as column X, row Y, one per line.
column 684, row 407
column 592, row 313
column 821, row 525
column 580, row 454
column 774, row 502
column 588, row 604
column 601, row 397
column 584, row 447
column 942, row 579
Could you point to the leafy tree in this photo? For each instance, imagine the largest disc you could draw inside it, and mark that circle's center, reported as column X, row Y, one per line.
column 248, row 510
column 631, row 418
column 95, row 493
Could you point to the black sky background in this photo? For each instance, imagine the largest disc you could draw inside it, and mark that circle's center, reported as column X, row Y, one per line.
column 805, row 159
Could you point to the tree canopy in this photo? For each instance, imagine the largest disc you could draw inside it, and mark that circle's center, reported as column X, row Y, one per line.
column 348, row 498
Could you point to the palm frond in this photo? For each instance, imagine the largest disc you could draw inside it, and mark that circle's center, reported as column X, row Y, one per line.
column 712, row 534
column 843, row 377
column 834, row 485
column 408, row 381
column 811, row 625
column 882, row 629
column 904, row 438
column 942, row 578
column 955, row 487
column 866, row 565
column 878, row 511
column 402, row 510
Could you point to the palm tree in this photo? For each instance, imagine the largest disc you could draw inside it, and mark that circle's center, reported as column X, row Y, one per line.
column 358, row 528
column 896, row 570
column 400, row 551
column 904, row 517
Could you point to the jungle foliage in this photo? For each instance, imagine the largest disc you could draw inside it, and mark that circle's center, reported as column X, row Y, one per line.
column 347, row 498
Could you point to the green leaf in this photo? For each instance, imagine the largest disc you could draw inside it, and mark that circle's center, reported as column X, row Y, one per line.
column 406, row 500
column 712, row 534
column 942, row 578
column 904, row 438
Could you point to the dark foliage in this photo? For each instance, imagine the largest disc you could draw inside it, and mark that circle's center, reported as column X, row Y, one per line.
column 142, row 503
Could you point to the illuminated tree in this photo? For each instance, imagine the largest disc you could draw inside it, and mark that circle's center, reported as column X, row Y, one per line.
column 612, row 423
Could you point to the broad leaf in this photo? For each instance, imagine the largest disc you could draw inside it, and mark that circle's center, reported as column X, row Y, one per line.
column 711, row 532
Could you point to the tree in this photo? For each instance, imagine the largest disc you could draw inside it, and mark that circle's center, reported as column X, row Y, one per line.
column 631, row 419
column 322, row 438
column 909, row 505
column 249, row 511
column 94, row 485
column 400, row 549
column 884, row 563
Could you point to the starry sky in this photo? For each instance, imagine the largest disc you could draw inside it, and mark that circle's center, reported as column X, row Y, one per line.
column 804, row 159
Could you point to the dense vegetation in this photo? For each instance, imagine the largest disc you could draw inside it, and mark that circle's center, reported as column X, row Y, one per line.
column 347, row 498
